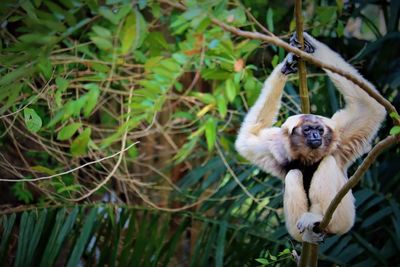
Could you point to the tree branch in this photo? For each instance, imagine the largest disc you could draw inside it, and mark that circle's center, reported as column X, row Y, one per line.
column 272, row 39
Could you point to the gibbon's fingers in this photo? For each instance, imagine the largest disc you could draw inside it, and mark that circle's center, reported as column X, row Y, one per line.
column 311, row 237
column 308, row 46
column 290, row 65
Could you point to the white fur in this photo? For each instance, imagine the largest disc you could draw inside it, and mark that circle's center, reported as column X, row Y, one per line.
column 269, row 147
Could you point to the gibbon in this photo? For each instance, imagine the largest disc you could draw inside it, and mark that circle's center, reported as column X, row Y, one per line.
column 311, row 153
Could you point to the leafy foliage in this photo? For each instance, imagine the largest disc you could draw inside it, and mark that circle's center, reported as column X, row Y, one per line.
column 80, row 80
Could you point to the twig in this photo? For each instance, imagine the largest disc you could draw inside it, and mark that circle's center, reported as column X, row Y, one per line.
column 32, row 100
column 114, row 169
column 258, row 201
column 69, row 171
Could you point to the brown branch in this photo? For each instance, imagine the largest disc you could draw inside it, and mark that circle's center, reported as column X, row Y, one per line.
column 371, row 157
column 307, row 57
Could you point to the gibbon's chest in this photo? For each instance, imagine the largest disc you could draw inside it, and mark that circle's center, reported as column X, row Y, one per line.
column 326, row 171
column 308, row 171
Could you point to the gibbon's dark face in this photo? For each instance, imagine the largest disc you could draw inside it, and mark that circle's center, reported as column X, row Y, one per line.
column 313, row 133
column 311, row 139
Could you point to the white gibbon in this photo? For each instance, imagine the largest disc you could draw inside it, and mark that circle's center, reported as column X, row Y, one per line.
column 311, row 153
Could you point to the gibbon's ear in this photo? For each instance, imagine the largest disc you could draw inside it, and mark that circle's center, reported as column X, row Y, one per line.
column 328, row 122
column 291, row 123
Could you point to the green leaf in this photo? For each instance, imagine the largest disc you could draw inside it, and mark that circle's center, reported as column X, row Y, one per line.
column 83, row 239
column 61, row 228
column 6, row 227
column 206, row 98
column 108, row 14
column 132, row 32
column 92, row 97
column 270, row 19
column 230, row 90
column 394, row 115
column 22, row 193
column 395, row 130
column 43, row 169
column 133, row 152
column 102, row 32
column 222, row 105
column 340, row 29
column 262, row 261
column 80, row 144
column 102, row 43
column 211, row 133
column 326, row 14
column 32, row 120
column 219, row 253
column 62, row 84
column 68, row 131
column 16, row 75
column 45, row 66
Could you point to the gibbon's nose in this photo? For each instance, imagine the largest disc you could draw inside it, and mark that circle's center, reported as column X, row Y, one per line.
column 314, row 140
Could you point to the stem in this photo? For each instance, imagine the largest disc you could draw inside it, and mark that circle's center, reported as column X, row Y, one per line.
column 313, row 260
column 309, row 252
column 304, row 98
column 305, row 254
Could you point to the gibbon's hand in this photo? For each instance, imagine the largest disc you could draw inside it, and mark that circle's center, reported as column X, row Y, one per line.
column 290, row 65
column 308, row 46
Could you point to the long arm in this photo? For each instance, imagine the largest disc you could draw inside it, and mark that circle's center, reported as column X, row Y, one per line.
column 360, row 120
column 257, row 140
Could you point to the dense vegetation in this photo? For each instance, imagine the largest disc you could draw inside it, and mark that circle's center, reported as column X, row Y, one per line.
column 118, row 120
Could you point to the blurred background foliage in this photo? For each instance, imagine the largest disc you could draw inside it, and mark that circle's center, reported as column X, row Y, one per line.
column 83, row 80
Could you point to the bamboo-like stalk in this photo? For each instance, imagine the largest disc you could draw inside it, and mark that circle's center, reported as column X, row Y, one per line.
column 309, row 252
column 304, row 99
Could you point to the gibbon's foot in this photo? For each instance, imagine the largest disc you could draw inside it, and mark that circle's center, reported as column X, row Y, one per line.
column 311, row 237
column 308, row 221
column 307, row 225
column 290, row 65
column 308, row 47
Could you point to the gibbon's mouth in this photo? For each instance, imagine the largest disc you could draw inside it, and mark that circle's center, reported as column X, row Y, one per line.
column 314, row 144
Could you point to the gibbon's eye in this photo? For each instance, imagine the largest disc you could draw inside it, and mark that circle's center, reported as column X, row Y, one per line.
column 320, row 130
column 306, row 129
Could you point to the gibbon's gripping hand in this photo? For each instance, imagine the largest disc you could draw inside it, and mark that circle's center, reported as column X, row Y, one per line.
column 308, row 46
column 290, row 65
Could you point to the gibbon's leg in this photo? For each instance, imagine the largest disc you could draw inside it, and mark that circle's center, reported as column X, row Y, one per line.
column 322, row 192
column 295, row 202
column 360, row 120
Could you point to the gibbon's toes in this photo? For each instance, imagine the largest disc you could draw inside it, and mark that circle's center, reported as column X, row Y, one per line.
column 308, row 221
column 308, row 47
column 290, row 65
column 311, row 237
